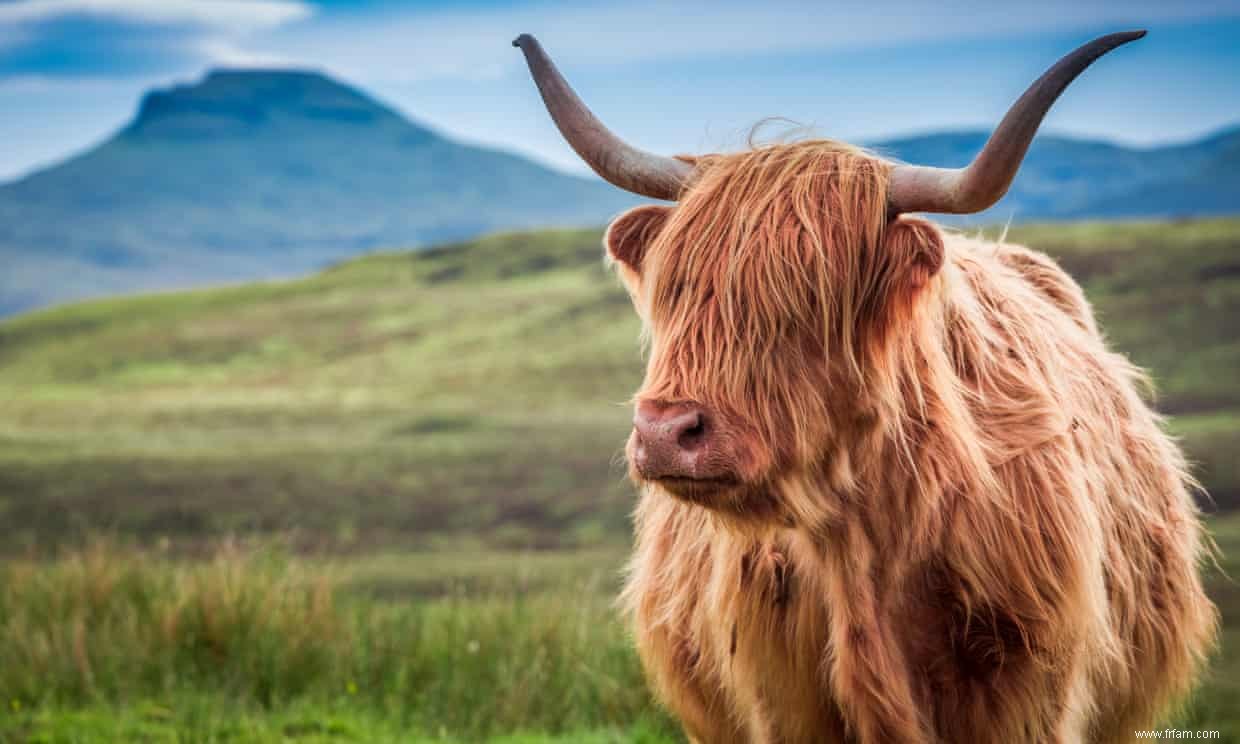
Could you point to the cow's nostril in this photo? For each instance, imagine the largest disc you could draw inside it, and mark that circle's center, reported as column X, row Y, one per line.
column 678, row 442
column 694, row 435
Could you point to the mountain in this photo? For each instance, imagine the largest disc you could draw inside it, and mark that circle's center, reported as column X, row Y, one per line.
column 251, row 174
column 254, row 173
column 1067, row 178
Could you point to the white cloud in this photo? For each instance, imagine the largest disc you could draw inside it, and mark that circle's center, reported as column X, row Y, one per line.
column 407, row 46
column 226, row 53
column 232, row 16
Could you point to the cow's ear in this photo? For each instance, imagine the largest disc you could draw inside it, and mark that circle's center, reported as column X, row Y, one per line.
column 630, row 234
column 915, row 248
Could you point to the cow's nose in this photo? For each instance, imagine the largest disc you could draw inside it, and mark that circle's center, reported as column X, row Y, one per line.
column 672, row 440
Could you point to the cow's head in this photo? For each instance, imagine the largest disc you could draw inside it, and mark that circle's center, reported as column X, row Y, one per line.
column 776, row 287
column 766, row 293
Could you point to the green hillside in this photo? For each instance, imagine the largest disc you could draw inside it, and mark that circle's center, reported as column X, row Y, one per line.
column 471, row 394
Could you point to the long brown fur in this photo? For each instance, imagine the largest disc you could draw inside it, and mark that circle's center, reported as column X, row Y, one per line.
column 959, row 521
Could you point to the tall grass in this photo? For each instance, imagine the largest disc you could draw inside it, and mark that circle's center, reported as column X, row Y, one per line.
column 107, row 626
column 112, row 644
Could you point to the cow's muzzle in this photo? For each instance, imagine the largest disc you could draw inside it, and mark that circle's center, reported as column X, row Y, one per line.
column 681, row 446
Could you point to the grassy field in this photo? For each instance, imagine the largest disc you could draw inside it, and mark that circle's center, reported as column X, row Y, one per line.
column 421, row 451
column 107, row 644
column 472, row 394
column 250, row 644
column 466, row 396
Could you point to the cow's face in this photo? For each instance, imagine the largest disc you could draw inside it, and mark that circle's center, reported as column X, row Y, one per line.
column 767, row 293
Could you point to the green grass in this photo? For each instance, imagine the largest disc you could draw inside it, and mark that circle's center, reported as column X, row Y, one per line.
column 111, row 644
column 200, row 720
column 431, row 440
column 248, row 644
column 467, row 395
column 1216, row 706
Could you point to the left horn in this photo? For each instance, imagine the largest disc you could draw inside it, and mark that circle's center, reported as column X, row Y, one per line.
column 916, row 188
column 655, row 176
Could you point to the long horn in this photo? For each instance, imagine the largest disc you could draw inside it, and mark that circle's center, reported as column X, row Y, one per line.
column 983, row 182
column 631, row 169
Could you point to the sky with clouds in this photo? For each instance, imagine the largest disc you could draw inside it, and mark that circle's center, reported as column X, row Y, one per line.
column 686, row 76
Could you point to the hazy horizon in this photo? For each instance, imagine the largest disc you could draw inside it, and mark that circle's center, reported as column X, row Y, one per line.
column 689, row 79
column 773, row 126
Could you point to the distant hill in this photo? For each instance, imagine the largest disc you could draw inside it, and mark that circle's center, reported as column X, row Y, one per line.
column 470, row 394
column 253, row 173
column 258, row 173
column 1067, row 178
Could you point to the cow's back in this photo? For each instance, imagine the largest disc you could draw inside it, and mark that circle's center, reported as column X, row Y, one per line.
column 1133, row 481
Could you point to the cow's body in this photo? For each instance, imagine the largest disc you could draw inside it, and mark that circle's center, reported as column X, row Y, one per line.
column 894, row 487
column 1063, row 607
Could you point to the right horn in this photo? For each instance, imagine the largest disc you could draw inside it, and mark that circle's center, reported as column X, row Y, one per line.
column 918, row 188
column 641, row 172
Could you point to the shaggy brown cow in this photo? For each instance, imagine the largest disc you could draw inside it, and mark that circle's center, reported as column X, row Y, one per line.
column 895, row 487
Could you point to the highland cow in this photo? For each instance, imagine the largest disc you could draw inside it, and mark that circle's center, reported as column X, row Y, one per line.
column 894, row 485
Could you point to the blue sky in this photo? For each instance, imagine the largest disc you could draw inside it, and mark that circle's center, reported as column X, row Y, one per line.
column 675, row 77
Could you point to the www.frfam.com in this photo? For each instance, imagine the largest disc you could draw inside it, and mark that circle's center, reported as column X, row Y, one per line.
column 1178, row 734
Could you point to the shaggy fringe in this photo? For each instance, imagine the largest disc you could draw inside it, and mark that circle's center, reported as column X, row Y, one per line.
column 962, row 520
